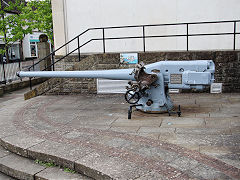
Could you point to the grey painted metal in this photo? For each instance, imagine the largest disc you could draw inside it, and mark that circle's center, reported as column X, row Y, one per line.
column 172, row 74
column 118, row 74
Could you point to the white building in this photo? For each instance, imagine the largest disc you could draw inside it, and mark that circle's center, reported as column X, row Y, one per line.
column 72, row 17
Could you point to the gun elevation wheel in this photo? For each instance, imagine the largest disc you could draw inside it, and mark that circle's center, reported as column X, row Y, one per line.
column 132, row 97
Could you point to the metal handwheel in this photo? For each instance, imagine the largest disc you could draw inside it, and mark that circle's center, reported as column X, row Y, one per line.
column 132, row 97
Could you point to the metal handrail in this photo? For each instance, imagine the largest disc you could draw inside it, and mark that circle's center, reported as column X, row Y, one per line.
column 137, row 37
column 53, row 52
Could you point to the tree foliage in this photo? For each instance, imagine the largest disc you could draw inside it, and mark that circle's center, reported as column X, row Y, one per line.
column 40, row 15
column 33, row 15
column 13, row 25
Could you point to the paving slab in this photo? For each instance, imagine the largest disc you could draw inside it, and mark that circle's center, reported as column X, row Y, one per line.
column 58, row 153
column 235, row 130
column 230, row 158
column 85, row 120
column 214, row 122
column 220, row 150
column 7, row 129
column 139, row 121
column 125, row 129
column 206, row 131
column 108, row 167
column 19, row 143
column 169, row 122
column 199, row 139
column 156, row 130
column 167, row 137
column 206, row 172
column 157, row 153
column 149, row 135
column 152, row 175
column 183, row 163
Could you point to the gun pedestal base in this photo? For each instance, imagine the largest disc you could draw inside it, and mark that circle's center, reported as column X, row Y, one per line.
column 154, row 100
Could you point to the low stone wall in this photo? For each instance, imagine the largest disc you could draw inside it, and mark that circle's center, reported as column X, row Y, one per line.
column 19, row 85
column 227, row 63
column 227, row 69
column 85, row 85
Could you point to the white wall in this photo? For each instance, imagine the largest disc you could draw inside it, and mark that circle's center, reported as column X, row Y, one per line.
column 81, row 15
column 58, row 14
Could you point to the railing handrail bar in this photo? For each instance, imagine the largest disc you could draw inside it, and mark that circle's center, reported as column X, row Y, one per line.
column 135, row 26
column 70, row 53
column 59, row 48
column 138, row 37
column 166, row 24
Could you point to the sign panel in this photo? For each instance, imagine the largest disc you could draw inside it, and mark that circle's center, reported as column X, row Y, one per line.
column 111, row 86
column 129, row 58
column 216, row 88
column 34, row 38
column 176, row 78
column 174, row 91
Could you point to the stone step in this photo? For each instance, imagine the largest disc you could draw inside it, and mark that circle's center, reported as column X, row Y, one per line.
column 5, row 177
column 15, row 166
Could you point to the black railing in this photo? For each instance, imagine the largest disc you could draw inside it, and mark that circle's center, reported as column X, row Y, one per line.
column 8, row 70
column 143, row 37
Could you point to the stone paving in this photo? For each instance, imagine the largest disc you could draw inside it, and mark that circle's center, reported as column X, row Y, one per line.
column 91, row 134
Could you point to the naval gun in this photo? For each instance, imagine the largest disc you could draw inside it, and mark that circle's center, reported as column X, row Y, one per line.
column 148, row 85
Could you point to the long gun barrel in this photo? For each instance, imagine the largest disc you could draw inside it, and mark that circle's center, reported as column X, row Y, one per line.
column 118, row 74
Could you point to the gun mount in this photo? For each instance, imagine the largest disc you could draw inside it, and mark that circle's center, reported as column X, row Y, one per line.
column 148, row 85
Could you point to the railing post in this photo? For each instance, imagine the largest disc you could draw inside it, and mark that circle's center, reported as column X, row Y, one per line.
column 33, row 64
column 79, row 53
column 4, row 73
column 19, row 66
column 30, row 83
column 103, row 41
column 53, row 66
column 234, row 35
column 144, row 45
column 187, row 36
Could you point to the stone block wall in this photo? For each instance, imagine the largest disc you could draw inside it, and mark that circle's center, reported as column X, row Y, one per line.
column 227, row 69
column 16, row 85
column 85, row 85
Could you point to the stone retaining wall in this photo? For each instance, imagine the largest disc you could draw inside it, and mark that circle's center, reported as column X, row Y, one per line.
column 227, row 69
column 16, row 85
column 85, row 85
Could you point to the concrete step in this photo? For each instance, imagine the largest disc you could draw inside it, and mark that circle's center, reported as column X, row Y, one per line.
column 15, row 166
column 5, row 177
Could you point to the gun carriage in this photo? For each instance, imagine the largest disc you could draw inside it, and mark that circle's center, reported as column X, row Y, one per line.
column 148, row 85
